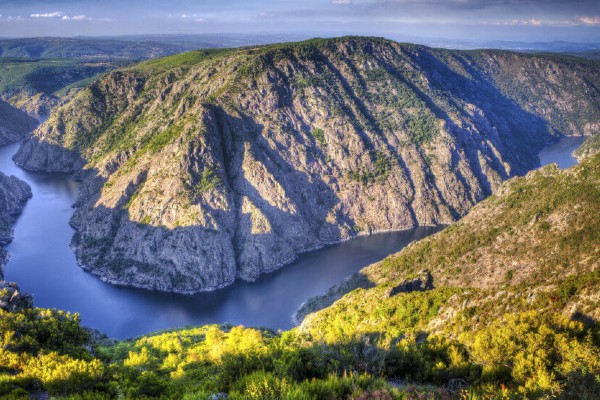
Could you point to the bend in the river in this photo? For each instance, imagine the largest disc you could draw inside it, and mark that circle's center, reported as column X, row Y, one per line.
column 43, row 264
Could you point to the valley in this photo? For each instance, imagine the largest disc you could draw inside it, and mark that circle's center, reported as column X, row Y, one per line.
column 50, row 272
column 346, row 218
column 208, row 167
column 525, row 326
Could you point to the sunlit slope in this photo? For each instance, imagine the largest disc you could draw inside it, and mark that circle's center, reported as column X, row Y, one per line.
column 507, row 307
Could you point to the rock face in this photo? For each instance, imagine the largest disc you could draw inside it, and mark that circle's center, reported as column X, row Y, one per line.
column 209, row 166
column 533, row 245
column 12, row 300
column 14, row 124
column 589, row 148
column 423, row 282
column 14, row 194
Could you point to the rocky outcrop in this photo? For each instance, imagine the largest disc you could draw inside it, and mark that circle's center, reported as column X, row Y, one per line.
column 14, row 194
column 589, row 148
column 216, row 165
column 14, row 124
column 421, row 283
column 48, row 157
column 11, row 298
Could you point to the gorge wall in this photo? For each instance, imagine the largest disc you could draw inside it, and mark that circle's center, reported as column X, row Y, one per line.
column 14, row 124
column 14, row 194
column 214, row 165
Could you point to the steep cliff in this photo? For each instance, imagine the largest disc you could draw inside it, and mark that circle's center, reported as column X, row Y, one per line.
column 14, row 194
column 14, row 124
column 215, row 165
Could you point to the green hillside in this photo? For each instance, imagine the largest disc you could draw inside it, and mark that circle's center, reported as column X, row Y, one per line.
column 508, row 308
column 36, row 85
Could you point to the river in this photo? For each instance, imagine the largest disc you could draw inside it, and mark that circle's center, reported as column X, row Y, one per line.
column 43, row 264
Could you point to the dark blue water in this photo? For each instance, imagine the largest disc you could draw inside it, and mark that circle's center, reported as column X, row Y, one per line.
column 43, row 264
column 561, row 152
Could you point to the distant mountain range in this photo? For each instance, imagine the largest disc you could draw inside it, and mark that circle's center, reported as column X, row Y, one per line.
column 127, row 47
column 138, row 47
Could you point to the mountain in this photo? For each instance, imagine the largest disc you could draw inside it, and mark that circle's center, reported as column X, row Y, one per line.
column 502, row 304
column 135, row 47
column 209, row 166
column 14, row 124
column 36, row 86
column 36, row 74
column 14, row 193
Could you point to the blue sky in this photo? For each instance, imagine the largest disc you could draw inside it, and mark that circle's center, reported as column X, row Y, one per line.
column 475, row 20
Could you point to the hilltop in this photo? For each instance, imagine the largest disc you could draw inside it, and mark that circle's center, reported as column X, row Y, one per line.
column 215, row 165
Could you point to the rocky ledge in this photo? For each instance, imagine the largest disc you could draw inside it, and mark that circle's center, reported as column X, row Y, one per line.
column 11, row 298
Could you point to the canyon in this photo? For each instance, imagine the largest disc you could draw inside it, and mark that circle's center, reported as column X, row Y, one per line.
column 215, row 165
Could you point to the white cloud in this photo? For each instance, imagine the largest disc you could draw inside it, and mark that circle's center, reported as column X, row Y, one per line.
column 589, row 20
column 55, row 14
column 75, row 18
column 341, row 2
column 194, row 17
column 265, row 15
column 64, row 17
column 530, row 22
column 577, row 21
column 11, row 18
column 518, row 22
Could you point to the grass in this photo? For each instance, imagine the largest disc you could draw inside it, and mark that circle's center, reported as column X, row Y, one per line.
column 319, row 136
column 45, row 76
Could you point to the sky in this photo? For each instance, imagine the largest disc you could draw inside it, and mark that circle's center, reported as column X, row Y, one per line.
column 471, row 20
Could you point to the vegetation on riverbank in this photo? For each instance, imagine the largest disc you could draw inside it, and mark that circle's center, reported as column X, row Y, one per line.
column 533, row 333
